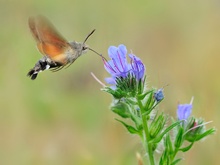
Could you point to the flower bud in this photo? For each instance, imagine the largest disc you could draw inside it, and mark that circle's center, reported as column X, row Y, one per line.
column 158, row 95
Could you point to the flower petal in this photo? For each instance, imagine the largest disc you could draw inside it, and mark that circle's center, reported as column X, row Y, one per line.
column 123, row 50
column 110, row 80
column 138, row 67
column 118, row 65
column 112, row 51
column 184, row 111
column 108, row 67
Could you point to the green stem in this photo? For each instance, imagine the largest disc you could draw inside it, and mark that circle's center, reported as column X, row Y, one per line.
column 174, row 154
column 146, row 135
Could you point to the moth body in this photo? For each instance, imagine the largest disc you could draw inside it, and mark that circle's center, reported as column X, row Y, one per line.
column 57, row 52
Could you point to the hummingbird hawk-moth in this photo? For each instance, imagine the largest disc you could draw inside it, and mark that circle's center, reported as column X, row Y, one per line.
column 57, row 52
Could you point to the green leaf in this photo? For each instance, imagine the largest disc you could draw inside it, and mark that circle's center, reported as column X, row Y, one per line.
column 154, row 146
column 148, row 104
column 206, row 133
column 131, row 101
column 157, row 125
column 138, row 122
column 142, row 96
column 168, row 144
column 190, row 123
column 176, row 161
column 159, row 138
column 195, row 135
column 164, row 160
column 122, row 109
column 130, row 128
column 117, row 94
column 141, row 85
column 187, row 148
column 179, row 138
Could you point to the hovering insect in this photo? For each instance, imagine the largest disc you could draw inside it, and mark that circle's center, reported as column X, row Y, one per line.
column 56, row 50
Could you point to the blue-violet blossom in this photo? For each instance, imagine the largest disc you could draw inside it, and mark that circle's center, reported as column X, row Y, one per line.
column 119, row 67
column 184, row 111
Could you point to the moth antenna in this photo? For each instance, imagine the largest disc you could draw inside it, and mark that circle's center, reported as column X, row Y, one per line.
column 91, row 48
column 89, row 36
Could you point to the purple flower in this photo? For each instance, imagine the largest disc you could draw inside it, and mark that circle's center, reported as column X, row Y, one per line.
column 119, row 67
column 137, row 66
column 184, row 111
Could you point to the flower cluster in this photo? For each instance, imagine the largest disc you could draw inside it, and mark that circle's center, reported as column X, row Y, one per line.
column 193, row 129
column 133, row 101
column 119, row 67
column 127, row 77
column 184, row 111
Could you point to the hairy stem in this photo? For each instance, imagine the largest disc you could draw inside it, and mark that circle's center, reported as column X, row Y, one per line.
column 146, row 134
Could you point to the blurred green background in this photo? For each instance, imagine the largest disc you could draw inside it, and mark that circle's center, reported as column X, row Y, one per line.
column 64, row 118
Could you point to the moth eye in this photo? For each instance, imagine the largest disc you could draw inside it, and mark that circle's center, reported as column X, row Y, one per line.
column 84, row 48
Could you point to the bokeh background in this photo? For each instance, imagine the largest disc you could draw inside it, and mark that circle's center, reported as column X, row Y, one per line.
column 64, row 118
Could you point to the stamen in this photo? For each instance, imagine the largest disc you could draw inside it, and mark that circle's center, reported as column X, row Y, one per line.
column 197, row 127
column 191, row 101
column 108, row 65
column 115, row 65
column 135, row 63
column 98, row 80
column 132, row 63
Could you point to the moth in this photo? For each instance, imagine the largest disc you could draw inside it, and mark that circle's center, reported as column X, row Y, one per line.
column 57, row 52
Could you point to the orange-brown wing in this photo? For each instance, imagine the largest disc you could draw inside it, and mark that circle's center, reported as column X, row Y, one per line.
column 49, row 41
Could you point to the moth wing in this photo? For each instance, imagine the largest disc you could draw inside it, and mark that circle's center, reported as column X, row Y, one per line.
column 49, row 41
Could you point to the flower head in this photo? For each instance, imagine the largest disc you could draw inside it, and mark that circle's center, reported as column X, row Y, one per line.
column 137, row 66
column 118, row 66
column 184, row 111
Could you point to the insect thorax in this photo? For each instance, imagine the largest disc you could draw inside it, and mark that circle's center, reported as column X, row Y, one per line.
column 77, row 50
